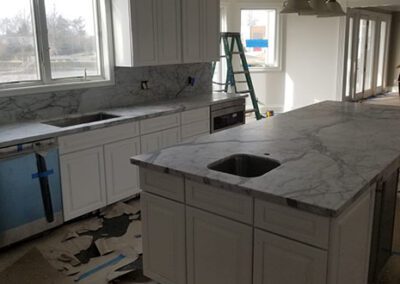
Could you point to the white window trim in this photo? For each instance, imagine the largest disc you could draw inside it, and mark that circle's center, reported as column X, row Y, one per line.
column 45, row 85
column 279, row 31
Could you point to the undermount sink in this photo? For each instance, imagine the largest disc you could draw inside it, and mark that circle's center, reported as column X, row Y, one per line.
column 71, row 121
column 244, row 165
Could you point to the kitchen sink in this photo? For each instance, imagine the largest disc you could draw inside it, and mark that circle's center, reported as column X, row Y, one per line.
column 71, row 121
column 244, row 165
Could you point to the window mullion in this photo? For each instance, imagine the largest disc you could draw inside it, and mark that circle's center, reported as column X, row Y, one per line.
column 42, row 39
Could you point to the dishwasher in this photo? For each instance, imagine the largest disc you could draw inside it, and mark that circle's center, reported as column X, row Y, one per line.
column 30, row 190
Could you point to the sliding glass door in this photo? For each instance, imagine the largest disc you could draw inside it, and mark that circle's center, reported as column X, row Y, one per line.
column 367, row 39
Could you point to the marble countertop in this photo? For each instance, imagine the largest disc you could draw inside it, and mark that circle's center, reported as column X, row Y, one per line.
column 23, row 132
column 330, row 153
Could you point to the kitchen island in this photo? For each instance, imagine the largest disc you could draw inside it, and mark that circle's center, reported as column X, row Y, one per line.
column 304, row 213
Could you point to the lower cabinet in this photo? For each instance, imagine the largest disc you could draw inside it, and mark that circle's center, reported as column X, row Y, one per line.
column 158, row 140
column 163, row 239
column 83, row 181
column 278, row 260
column 219, row 251
column 121, row 176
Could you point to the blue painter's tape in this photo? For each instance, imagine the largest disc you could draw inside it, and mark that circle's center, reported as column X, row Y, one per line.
column 43, row 174
column 100, row 267
column 260, row 43
column 20, row 148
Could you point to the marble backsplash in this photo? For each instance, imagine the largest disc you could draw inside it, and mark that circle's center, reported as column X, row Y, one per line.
column 164, row 83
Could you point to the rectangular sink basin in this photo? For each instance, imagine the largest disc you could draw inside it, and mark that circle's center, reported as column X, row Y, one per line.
column 66, row 122
column 244, row 165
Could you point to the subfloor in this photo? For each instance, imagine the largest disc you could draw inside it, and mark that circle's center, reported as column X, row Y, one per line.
column 101, row 248
column 390, row 99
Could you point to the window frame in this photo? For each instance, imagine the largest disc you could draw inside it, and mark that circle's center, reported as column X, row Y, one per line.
column 278, row 32
column 46, row 84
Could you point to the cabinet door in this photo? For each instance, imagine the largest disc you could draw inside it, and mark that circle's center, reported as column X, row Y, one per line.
column 279, row 260
column 219, row 250
column 122, row 177
column 212, row 30
column 83, row 182
column 151, row 142
column 170, row 137
column 156, row 141
column 144, row 29
column 169, row 31
column 163, row 224
column 193, row 30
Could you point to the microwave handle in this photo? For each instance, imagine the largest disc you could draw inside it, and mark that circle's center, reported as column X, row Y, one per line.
column 45, row 188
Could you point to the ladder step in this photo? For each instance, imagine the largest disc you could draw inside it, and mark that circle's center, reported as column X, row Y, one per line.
column 241, row 72
column 219, row 91
column 250, row 110
column 241, row 82
column 237, row 52
column 218, row 83
column 244, row 92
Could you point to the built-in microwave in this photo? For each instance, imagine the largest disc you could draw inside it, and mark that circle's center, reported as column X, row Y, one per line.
column 228, row 114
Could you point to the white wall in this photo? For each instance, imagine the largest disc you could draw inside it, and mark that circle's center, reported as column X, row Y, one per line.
column 310, row 60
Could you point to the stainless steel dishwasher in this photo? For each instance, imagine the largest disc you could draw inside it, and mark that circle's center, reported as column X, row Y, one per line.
column 30, row 190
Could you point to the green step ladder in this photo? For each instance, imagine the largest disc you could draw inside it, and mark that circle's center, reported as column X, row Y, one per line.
column 229, row 40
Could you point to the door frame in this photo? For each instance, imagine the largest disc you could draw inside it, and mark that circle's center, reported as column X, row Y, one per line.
column 357, row 15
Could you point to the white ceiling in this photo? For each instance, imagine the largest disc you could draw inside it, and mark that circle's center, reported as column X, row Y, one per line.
column 390, row 8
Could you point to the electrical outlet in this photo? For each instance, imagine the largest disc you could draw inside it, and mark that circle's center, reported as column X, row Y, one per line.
column 191, row 81
column 144, row 85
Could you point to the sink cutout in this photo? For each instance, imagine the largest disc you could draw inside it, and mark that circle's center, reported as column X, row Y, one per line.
column 66, row 122
column 244, row 165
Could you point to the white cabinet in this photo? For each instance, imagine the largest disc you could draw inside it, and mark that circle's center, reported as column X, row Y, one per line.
column 169, row 31
column 163, row 239
column 201, row 28
column 121, row 176
column 219, row 251
column 147, row 32
column 95, row 168
column 278, row 260
column 144, row 32
column 83, row 182
column 195, row 123
column 158, row 140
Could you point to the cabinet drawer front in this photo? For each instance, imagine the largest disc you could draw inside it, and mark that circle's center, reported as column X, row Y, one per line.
column 75, row 142
column 292, row 223
column 162, row 184
column 159, row 123
column 280, row 260
column 232, row 205
column 195, row 115
column 196, row 128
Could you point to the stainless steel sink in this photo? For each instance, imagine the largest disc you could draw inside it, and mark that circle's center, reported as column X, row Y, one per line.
column 245, row 165
column 71, row 121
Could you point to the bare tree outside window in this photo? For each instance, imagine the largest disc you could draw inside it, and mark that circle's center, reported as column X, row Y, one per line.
column 72, row 38
column 18, row 50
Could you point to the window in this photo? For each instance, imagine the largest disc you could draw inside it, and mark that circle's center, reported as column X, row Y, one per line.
column 50, row 45
column 18, row 47
column 259, row 32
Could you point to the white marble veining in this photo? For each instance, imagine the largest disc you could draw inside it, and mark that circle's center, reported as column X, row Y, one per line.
column 329, row 154
column 21, row 132
column 164, row 83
